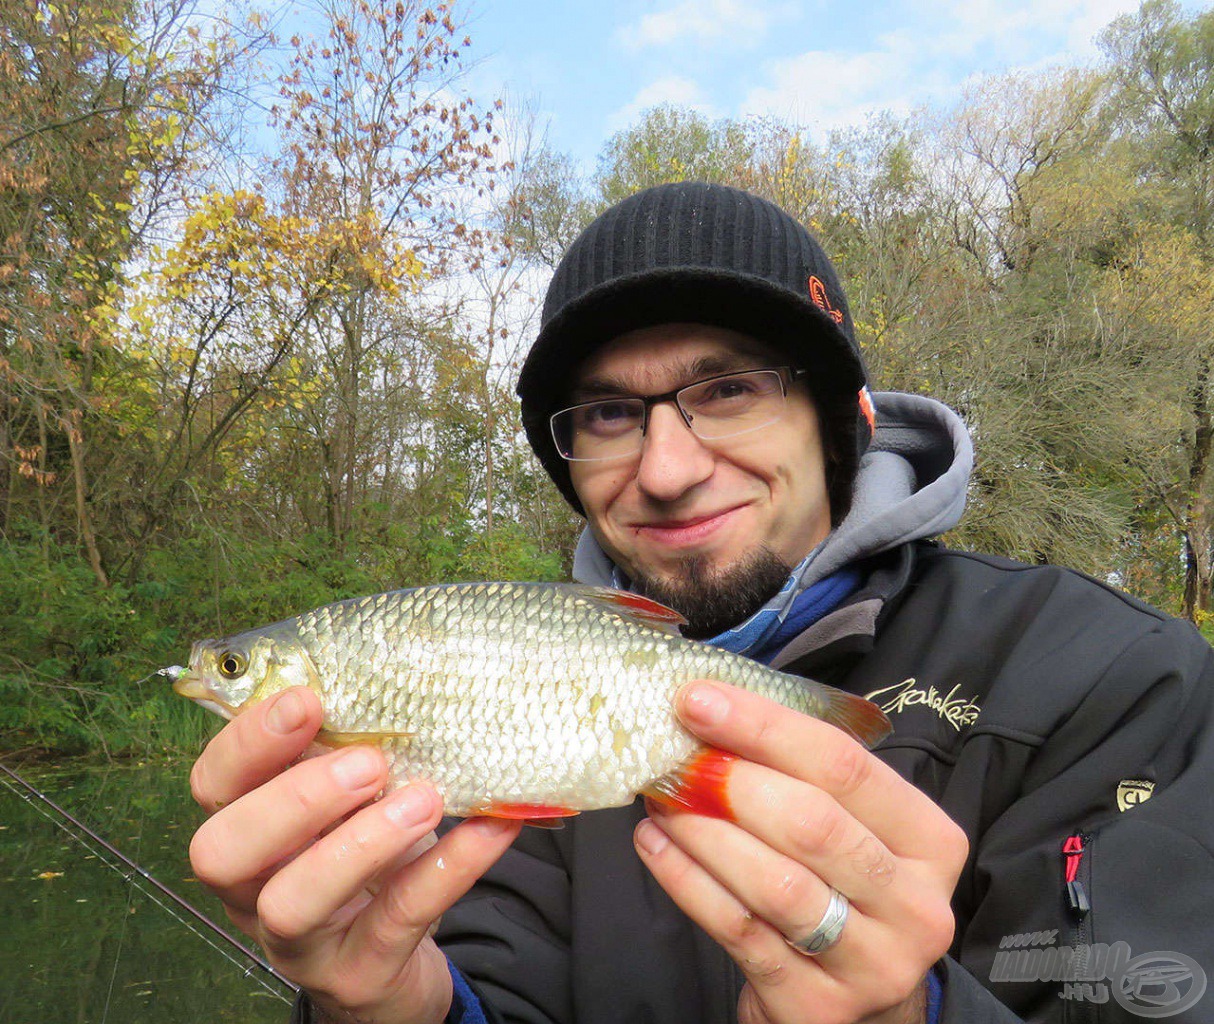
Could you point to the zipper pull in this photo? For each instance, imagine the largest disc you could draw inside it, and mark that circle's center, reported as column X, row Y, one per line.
column 1076, row 897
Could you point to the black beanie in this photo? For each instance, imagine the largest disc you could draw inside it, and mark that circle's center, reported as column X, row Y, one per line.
column 691, row 252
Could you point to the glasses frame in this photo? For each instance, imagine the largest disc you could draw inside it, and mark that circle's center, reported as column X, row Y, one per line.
column 787, row 375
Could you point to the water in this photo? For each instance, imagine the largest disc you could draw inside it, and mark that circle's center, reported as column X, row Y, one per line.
column 80, row 943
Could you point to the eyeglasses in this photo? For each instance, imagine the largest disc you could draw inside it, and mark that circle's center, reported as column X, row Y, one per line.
column 714, row 408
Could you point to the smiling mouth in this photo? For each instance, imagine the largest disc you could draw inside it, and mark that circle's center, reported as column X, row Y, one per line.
column 689, row 529
column 683, row 524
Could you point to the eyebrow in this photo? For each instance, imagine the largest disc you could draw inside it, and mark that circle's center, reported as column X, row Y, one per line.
column 614, row 385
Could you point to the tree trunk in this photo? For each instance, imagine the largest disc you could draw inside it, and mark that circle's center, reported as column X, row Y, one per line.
column 1199, row 550
column 329, row 482
column 354, row 341
column 6, row 465
column 41, row 477
column 487, row 400
column 1196, row 579
column 75, row 441
column 489, row 471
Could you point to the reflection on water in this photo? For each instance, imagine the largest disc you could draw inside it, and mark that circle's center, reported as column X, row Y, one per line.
column 80, row 943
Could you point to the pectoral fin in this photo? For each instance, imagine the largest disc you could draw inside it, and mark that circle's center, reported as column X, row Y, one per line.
column 857, row 717
column 333, row 738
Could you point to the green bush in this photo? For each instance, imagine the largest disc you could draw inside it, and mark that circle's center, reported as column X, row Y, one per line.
column 78, row 659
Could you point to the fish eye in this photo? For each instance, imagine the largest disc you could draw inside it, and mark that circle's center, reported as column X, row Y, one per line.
column 232, row 664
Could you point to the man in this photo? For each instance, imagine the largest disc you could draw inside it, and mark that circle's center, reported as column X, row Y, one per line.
column 697, row 393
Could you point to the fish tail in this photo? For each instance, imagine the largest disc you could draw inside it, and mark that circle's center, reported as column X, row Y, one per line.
column 859, row 718
column 700, row 784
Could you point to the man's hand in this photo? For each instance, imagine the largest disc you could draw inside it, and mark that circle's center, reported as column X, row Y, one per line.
column 815, row 810
column 340, row 893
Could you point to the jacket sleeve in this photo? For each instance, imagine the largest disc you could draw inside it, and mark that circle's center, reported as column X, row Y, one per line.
column 1125, row 780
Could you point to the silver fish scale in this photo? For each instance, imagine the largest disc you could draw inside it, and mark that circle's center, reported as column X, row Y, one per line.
column 517, row 693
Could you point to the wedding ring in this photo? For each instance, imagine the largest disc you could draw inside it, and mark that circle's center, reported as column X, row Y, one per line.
column 829, row 930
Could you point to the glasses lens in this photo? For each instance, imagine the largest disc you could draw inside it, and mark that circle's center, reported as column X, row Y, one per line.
column 599, row 430
column 734, row 404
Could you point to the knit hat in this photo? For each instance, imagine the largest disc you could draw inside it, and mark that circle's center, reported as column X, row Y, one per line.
column 691, row 252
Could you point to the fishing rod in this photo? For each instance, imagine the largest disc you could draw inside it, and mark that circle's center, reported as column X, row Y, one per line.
column 29, row 793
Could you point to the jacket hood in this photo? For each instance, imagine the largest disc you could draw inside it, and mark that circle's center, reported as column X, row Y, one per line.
column 911, row 485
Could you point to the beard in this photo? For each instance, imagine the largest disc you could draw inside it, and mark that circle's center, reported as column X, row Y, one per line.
column 714, row 600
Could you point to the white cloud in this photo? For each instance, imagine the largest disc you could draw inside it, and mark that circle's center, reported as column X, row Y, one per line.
column 1015, row 32
column 673, row 89
column 929, row 58
column 824, row 90
column 700, row 21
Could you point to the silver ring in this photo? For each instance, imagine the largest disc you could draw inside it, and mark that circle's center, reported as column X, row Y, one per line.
column 829, row 930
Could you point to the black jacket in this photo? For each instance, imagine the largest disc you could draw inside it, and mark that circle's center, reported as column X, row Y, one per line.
column 1034, row 705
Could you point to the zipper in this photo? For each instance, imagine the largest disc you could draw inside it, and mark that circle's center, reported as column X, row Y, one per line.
column 1078, row 1011
column 1076, row 895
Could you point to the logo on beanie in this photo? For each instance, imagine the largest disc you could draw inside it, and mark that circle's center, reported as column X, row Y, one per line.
column 868, row 410
column 817, row 295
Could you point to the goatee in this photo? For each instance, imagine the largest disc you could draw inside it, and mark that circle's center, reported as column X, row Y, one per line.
column 714, row 600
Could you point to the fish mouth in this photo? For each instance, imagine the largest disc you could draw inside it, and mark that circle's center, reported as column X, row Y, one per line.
column 196, row 690
column 192, row 687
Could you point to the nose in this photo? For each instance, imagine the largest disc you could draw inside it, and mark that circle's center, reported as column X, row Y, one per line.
column 673, row 459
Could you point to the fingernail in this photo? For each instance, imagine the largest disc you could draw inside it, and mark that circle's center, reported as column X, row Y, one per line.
column 705, row 704
column 407, row 807
column 356, row 768
column 650, row 838
column 286, row 714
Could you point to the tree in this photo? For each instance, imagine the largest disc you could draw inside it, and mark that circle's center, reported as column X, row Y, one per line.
column 1162, row 64
column 552, row 205
column 377, row 153
column 99, row 105
column 671, row 144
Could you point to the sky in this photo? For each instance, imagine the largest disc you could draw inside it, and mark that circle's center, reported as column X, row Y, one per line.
column 589, row 68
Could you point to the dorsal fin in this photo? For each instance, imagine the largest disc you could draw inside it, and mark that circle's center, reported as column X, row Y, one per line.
column 635, row 607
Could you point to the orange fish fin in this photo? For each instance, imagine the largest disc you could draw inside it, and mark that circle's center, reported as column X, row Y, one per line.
column 859, row 718
column 539, row 815
column 699, row 785
column 635, row 607
column 334, row 738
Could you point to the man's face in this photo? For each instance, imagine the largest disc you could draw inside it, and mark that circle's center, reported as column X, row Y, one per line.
column 709, row 527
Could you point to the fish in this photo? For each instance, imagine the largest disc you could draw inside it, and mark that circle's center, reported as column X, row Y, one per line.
column 514, row 700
